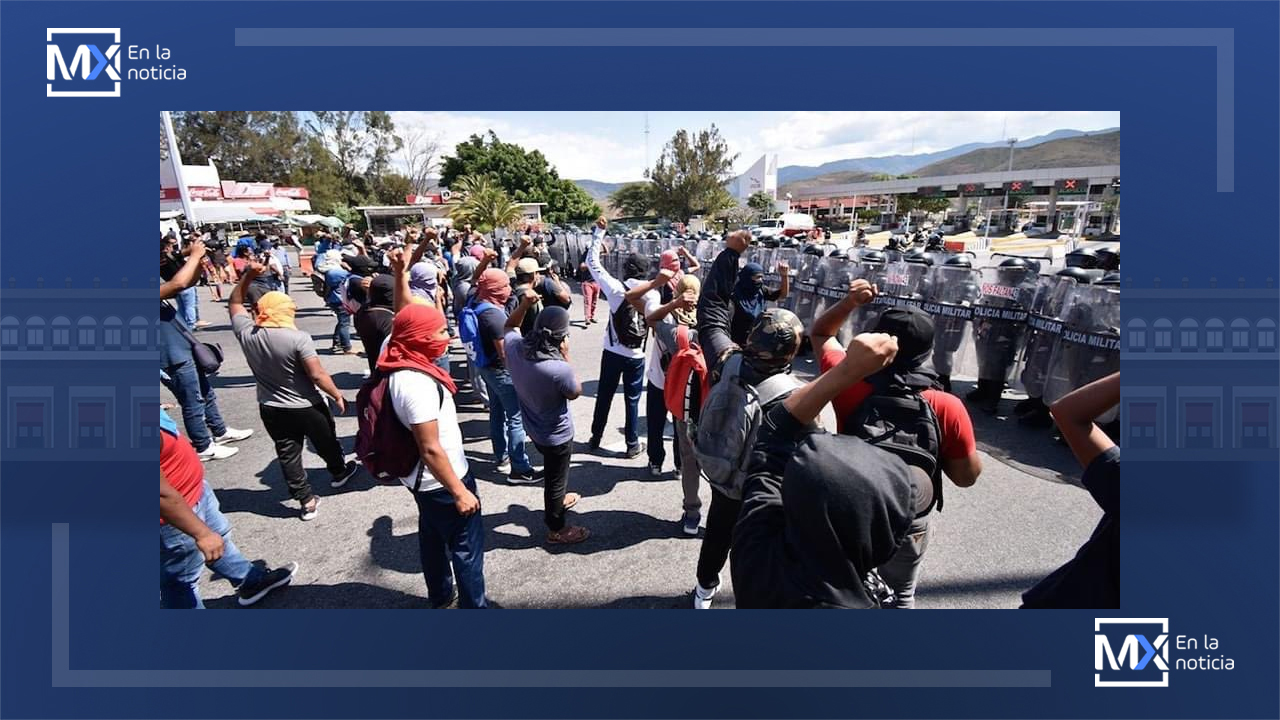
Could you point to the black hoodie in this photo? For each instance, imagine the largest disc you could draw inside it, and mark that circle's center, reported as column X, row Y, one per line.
column 818, row 512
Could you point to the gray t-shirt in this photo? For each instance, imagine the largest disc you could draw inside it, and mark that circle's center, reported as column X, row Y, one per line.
column 276, row 357
column 543, row 389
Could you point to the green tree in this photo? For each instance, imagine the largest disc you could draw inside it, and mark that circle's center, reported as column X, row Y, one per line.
column 633, row 199
column 762, row 203
column 524, row 175
column 361, row 142
column 246, row 146
column 483, row 204
column 690, row 175
column 867, row 214
column 911, row 203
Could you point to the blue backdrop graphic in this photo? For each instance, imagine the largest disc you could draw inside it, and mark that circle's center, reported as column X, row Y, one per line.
column 78, row 211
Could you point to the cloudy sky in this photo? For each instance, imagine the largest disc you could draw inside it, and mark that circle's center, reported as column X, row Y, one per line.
column 610, row 146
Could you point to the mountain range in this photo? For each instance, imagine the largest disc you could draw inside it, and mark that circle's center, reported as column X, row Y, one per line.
column 1060, row 148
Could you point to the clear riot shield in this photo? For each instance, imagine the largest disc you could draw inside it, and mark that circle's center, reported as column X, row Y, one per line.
column 706, row 254
column 1044, row 326
column 621, row 249
column 1089, row 347
column 949, row 296
column 804, row 289
column 837, row 273
column 1000, row 319
column 865, row 317
column 773, row 274
column 902, row 283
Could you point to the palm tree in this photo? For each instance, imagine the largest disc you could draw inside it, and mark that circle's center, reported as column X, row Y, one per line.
column 485, row 205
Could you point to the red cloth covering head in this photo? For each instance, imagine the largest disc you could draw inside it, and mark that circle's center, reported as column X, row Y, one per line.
column 670, row 260
column 416, row 343
column 493, row 287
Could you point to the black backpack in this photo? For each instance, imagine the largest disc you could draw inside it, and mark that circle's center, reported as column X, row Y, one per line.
column 898, row 419
column 628, row 326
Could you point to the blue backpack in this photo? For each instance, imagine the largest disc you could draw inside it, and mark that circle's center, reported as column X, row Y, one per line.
column 469, row 332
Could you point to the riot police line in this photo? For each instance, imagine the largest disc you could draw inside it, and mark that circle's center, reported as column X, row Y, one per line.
column 1022, row 325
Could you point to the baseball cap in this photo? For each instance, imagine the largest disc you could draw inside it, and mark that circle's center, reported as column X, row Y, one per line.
column 528, row 266
column 914, row 329
column 774, row 339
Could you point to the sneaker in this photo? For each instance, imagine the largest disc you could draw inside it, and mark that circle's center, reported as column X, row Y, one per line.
column 216, row 452
column 633, row 450
column 268, row 581
column 232, row 435
column 690, row 525
column 529, row 477
column 310, row 509
column 200, row 324
column 504, row 467
column 593, row 444
column 655, row 471
column 702, row 597
column 350, row 472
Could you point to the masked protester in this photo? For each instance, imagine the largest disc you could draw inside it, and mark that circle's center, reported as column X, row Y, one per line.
column 749, row 298
column 932, row 429
column 820, row 512
column 290, row 379
column 545, row 383
column 464, row 276
column 373, row 320
column 506, row 428
column 764, row 358
column 450, row 529
column 674, row 318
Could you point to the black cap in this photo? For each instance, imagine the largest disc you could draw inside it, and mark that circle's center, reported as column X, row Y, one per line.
column 914, row 329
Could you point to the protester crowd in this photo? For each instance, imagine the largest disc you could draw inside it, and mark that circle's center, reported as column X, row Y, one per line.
column 801, row 515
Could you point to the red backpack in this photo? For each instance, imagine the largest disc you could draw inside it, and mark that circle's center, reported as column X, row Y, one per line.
column 687, row 369
column 386, row 448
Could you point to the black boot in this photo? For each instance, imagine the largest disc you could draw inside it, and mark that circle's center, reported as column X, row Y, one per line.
column 986, row 395
column 1031, row 404
column 1037, row 417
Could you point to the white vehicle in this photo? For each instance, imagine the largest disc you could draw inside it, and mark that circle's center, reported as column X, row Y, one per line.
column 786, row 224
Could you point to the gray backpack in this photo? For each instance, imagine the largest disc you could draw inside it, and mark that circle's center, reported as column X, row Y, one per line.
column 727, row 425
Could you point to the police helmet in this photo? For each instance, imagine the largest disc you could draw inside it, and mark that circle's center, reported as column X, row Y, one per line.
column 958, row 261
column 1079, row 274
column 1109, row 259
column 918, row 257
column 1082, row 258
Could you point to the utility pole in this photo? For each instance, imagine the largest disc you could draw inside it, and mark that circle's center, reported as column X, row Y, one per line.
column 646, row 143
column 166, row 124
column 1011, row 142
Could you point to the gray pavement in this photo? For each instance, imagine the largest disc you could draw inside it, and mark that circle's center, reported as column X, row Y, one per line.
column 990, row 543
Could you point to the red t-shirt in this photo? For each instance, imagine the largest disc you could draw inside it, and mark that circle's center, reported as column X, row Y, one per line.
column 181, row 467
column 953, row 419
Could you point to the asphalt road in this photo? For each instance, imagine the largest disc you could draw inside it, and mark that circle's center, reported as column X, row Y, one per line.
column 990, row 543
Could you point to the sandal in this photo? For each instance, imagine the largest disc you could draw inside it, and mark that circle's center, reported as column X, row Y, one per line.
column 568, row 535
column 571, row 499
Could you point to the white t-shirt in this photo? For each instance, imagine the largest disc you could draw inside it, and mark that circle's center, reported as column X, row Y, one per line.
column 416, row 399
column 657, row 376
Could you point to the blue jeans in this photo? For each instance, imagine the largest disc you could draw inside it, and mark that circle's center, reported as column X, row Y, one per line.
column 200, row 413
column 341, row 331
column 451, row 548
column 181, row 562
column 189, row 306
column 506, row 427
column 631, row 371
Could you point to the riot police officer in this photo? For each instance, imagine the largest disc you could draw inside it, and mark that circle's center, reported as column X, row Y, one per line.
column 1044, row 326
column 999, row 326
column 949, row 297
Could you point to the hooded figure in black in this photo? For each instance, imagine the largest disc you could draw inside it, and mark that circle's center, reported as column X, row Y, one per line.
column 373, row 320
column 819, row 512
